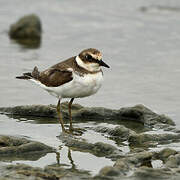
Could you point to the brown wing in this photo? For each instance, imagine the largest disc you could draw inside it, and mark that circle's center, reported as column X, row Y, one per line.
column 57, row 74
column 53, row 77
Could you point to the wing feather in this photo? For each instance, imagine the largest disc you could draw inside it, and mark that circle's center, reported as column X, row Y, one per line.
column 54, row 77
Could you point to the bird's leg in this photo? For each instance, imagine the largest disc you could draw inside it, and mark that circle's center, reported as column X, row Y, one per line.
column 71, row 129
column 70, row 115
column 60, row 117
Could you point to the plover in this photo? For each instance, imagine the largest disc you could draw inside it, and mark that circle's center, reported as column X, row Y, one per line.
column 76, row 77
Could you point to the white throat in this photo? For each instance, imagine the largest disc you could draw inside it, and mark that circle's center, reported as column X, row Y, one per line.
column 87, row 66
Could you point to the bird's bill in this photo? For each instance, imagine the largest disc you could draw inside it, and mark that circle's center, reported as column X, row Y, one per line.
column 102, row 63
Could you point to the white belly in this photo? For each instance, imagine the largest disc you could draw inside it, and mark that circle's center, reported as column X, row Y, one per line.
column 80, row 86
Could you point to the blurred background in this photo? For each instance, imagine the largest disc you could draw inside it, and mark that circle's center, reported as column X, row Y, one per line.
column 140, row 40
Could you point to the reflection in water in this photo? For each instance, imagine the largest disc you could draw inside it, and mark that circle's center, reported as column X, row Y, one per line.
column 58, row 157
column 29, row 43
column 22, row 157
column 71, row 160
column 160, row 8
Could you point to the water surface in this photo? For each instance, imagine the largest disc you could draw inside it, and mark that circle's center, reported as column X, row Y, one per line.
column 139, row 39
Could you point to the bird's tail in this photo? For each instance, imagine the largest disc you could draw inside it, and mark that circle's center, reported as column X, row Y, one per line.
column 33, row 75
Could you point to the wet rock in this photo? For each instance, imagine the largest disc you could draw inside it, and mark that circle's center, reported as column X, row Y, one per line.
column 53, row 172
column 138, row 166
column 119, row 131
column 68, row 173
column 131, row 165
column 109, row 171
column 165, row 127
column 11, row 146
column 173, row 161
column 144, row 115
column 22, row 171
column 138, row 113
column 136, row 160
column 31, row 110
column 27, row 30
column 99, row 149
column 122, row 165
column 150, row 140
column 23, row 157
column 125, row 165
column 150, row 174
column 96, row 113
column 130, row 162
column 164, row 154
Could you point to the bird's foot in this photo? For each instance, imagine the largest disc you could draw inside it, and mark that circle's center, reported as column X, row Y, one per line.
column 76, row 131
column 65, row 131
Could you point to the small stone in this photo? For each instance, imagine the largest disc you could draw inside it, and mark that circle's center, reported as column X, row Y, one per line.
column 150, row 174
column 164, row 154
column 109, row 171
column 173, row 161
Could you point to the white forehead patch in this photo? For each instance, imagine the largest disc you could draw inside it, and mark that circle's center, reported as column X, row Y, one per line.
column 97, row 56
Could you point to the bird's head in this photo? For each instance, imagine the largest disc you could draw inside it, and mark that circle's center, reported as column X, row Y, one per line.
column 91, row 59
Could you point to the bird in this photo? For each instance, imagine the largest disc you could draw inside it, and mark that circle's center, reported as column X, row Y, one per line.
column 76, row 77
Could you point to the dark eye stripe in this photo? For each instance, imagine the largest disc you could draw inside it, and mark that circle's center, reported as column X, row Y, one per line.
column 89, row 58
column 94, row 60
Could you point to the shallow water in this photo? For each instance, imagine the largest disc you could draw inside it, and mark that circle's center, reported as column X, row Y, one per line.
column 139, row 39
column 141, row 46
column 47, row 131
column 32, row 130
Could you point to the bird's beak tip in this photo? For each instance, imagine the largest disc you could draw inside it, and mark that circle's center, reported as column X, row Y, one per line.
column 102, row 63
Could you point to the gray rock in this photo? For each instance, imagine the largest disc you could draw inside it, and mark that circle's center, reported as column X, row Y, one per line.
column 149, row 140
column 125, row 165
column 164, row 154
column 150, row 174
column 134, row 165
column 138, row 166
column 138, row 113
column 119, row 131
column 96, row 113
column 109, row 173
column 135, row 160
column 99, row 149
column 53, row 172
column 20, row 148
column 31, row 110
column 142, row 114
column 26, row 27
column 27, row 31
column 173, row 161
column 122, row 165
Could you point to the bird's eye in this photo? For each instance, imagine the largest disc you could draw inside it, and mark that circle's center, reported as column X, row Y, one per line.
column 88, row 57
